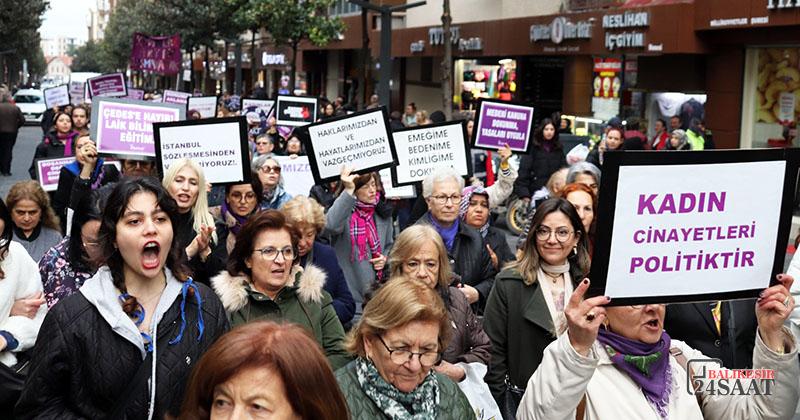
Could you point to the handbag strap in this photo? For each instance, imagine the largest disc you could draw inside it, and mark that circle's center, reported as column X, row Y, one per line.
column 141, row 377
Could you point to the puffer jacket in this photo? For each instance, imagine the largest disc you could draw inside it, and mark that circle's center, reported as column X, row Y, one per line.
column 468, row 343
column 470, row 260
column 302, row 301
column 89, row 351
column 535, row 170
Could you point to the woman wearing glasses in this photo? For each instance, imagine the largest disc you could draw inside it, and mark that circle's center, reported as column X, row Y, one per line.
column 264, row 281
column 269, row 173
column 359, row 224
column 525, row 310
column 399, row 340
column 241, row 202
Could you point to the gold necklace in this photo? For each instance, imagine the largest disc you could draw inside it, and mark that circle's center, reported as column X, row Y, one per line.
column 553, row 278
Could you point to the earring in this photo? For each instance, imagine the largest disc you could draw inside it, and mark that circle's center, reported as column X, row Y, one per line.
column 575, row 250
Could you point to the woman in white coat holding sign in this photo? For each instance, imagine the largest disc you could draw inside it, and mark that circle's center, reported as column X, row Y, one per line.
column 618, row 363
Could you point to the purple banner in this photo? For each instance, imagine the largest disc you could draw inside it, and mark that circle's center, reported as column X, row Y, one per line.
column 107, row 85
column 135, row 94
column 125, row 128
column 48, row 171
column 158, row 54
column 500, row 123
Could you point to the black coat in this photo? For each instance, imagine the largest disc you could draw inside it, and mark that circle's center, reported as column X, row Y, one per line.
column 693, row 323
column 67, row 196
column 49, row 148
column 496, row 240
column 80, row 367
column 535, row 170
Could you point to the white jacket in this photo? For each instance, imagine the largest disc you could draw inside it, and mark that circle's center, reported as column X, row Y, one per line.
column 502, row 188
column 21, row 280
column 557, row 386
column 794, row 318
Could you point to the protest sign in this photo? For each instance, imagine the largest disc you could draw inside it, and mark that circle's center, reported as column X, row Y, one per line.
column 107, row 85
column 361, row 141
column 262, row 106
column 421, row 150
column 56, row 96
column 124, row 127
column 692, row 226
column 296, row 174
column 296, row 111
column 392, row 192
column 158, row 54
column 175, row 97
column 218, row 145
column 205, row 105
column 498, row 123
column 77, row 92
column 135, row 94
column 48, row 171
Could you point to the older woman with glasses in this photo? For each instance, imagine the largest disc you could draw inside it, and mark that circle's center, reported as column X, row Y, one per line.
column 273, row 195
column 264, row 281
column 399, row 340
column 525, row 310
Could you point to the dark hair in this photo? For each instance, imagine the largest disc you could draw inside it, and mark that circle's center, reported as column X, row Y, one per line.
column 6, row 235
column 55, row 120
column 663, row 122
column 633, row 124
column 286, row 349
column 84, row 108
column 74, row 144
column 115, row 207
column 412, row 105
column 538, row 134
column 89, row 208
column 245, row 239
column 255, row 183
column 383, row 209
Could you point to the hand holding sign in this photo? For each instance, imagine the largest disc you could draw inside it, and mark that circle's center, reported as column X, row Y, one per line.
column 348, row 179
column 773, row 307
column 88, row 157
column 504, row 153
column 584, row 318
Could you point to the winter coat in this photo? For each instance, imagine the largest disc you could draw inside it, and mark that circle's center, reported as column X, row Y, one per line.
column 535, row 170
column 496, row 239
column 520, row 327
column 324, row 257
column 278, row 200
column 468, row 342
column 793, row 323
column 21, row 280
column 89, row 352
column 49, row 148
column 503, row 187
column 61, row 276
column 302, row 301
column 322, row 195
column 40, row 241
column 470, row 260
column 360, row 275
column 565, row 376
column 453, row 405
column 11, row 118
column 63, row 197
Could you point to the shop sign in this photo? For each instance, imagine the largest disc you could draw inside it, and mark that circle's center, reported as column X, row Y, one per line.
column 436, row 35
column 273, row 59
column 418, row 46
column 470, row 44
column 627, row 20
column 624, row 40
column 561, row 29
column 782, row 4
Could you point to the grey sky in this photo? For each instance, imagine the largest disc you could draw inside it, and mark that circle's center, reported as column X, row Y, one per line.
column 67, row 18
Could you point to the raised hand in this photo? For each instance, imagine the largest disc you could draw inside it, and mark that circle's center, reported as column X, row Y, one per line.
column 773, row 307
column 584, row 318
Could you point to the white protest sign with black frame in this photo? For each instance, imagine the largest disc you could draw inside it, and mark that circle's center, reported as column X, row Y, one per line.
column 422, row 150
column 692, row 226
column 295, row 111
column 217, row 145
column 260, row 106
column 205, row 105
column 56, row 96
column 361, row 140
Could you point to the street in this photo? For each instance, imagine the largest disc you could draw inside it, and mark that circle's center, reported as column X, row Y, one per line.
column 29, row 136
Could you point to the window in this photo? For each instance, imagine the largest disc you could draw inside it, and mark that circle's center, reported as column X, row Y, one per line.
column 344, row 7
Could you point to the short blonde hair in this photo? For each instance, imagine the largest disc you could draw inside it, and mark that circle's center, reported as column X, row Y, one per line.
column 396, row 304
column 409, row 242
column 301, row 210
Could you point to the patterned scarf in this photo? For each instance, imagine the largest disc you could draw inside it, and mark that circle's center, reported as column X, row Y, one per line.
column 466, row 195
column 234, row 223
column 646, row 364
column 419, row 404
column 363, row 233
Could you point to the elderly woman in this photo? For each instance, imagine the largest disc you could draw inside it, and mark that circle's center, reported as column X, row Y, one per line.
column 419, row 253
column 264, row 281
column 308, row 218
column 585, row 173
column 398, row 341
column 264, row 367
column 359, row 224
column 273, row 195
column 525, row 309
column 36, row 226
column 618, row 362
column 678, row 140
column 474, row 211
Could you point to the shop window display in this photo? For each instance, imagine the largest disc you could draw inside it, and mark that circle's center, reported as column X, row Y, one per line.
column 776, row 99
column 478, row 80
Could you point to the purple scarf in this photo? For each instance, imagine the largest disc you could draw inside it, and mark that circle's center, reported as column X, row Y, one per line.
column 448, row 234
column 363, row 232
column 647, row 364
column 67, row 139
column 233, row 221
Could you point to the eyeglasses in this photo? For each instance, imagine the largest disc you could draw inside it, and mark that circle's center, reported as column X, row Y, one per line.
column 237, row 196
column 263, row 143
column 400, row 357
column 271, row 253
column 562, row 235
column 267, row 169
column 442, row 199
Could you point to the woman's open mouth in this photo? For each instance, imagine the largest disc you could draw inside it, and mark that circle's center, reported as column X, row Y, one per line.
column 151, row 255
column 652, row 324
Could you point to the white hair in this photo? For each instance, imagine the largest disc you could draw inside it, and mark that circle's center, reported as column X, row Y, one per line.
column 440, row 175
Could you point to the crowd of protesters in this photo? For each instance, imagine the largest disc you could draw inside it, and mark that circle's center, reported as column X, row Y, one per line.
column 162, row 296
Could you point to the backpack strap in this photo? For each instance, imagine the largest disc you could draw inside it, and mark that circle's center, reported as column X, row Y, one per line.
column 684, row 363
